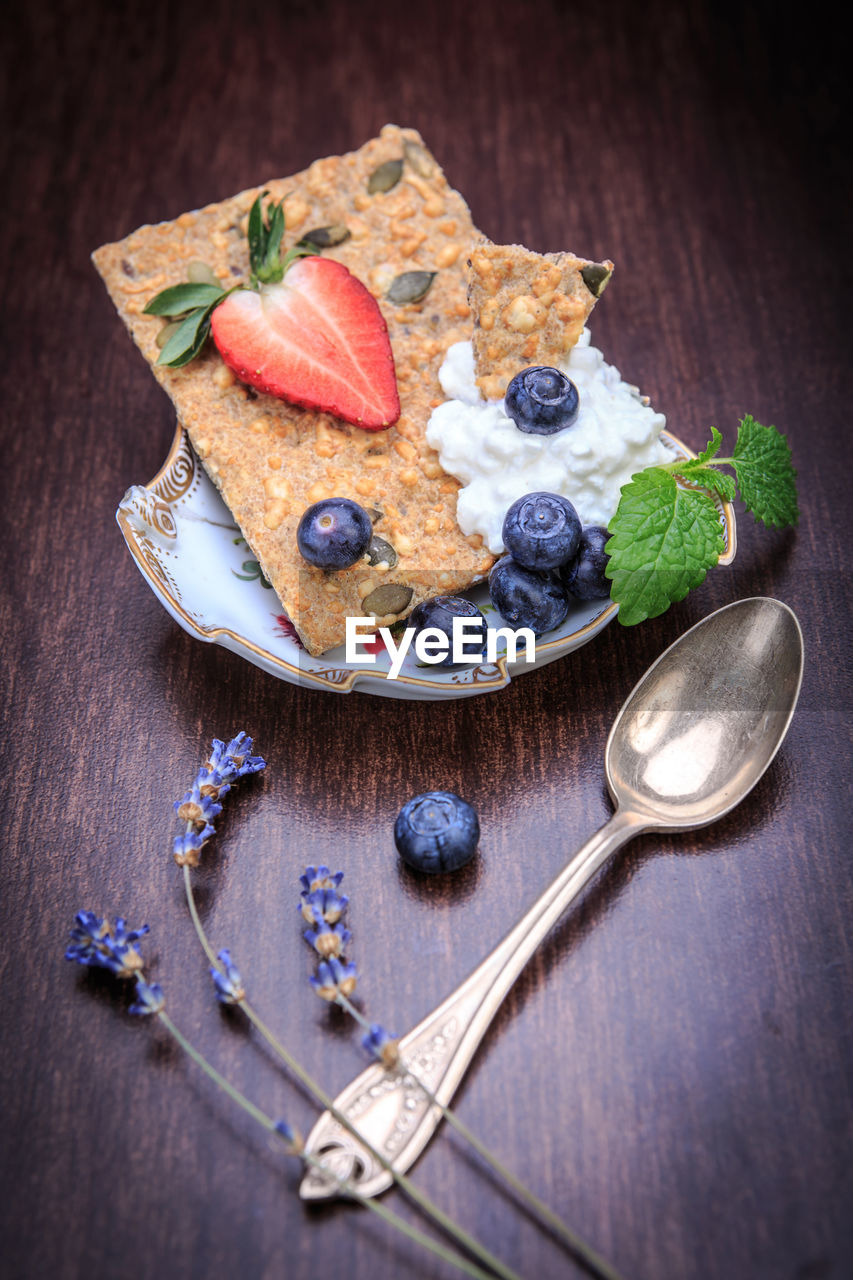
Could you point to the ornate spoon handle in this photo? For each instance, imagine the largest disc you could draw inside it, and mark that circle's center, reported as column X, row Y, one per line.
column 389, row 1108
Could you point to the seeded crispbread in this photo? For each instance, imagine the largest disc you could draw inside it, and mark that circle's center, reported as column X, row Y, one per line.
column 529, row 308
column 271, row 460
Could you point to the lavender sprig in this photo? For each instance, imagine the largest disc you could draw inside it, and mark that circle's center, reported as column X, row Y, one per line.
column 150, row 1001
column 96, row 942
column 385, row 1047
column 200, row 805
column 338, row 978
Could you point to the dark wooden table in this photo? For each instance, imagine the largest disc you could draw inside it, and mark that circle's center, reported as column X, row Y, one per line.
column 672, row 1072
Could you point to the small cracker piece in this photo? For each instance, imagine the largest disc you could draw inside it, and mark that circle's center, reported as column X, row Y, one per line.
column 529, row 308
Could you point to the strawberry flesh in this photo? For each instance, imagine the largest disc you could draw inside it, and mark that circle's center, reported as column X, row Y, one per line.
column 317, row 339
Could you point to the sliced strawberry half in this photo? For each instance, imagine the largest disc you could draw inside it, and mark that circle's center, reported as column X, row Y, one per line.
column 316, row 339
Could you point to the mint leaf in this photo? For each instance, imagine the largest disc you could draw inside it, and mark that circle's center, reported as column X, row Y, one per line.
column 700, row 471
column 711, row 449
column 765, row 473
column 709, row 477
column 665, row 538
column 179, row 298
column 663, row 541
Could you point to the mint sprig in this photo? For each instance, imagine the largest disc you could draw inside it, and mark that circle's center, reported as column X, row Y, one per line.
column 665, row 538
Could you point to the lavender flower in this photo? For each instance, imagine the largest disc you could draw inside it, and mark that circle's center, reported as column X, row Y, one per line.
column 382, row 1045
column 149, row 998
column 334, row 977
column 292, row 1138
column 234, row 761
column 95, row 942
column 187, row 848
column 327, row 940
column 197, row 806
column 328, row 902
column 319, row 878
column 229, row 985
column 200, row 805
column 323, row 907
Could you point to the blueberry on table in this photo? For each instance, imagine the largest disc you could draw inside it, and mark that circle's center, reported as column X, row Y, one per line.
column 437, row 831
column 440, row 612
column 334, row 534
column 542, row 531
column 584, row 575
column 541, row 401
column 527, row 597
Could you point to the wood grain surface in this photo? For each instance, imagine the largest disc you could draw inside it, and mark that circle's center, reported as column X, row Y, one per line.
column 673, row 1071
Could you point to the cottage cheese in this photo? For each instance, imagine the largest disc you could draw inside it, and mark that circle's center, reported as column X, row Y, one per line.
column 615, row 435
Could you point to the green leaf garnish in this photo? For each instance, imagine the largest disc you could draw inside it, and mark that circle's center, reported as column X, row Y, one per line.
column 712, row 448
column 180, row 298
column 272, row 263
column 699, row 471
column 265, row 231
column 189, row 338
column 665, row 538
column 256, row 233
column 765, row 473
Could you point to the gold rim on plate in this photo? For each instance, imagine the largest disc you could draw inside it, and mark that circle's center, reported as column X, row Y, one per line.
column 175, row 478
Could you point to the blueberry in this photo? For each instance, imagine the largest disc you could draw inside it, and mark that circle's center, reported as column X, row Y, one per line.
column 526, row 597
column 541, row 400
column 542, row 531
column 436, row 832
column 334, row 534
column 439, row 612
column 584, row 576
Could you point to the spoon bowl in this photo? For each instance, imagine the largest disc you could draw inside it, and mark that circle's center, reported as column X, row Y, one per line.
column 703, row 724
column 692, row 739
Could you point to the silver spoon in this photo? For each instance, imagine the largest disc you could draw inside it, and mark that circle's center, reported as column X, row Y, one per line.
column 691, row 741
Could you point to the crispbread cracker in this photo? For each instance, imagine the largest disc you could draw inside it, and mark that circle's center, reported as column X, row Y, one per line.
column 529, row 308
column 271, row 460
